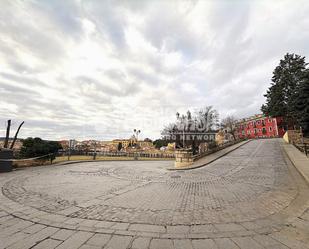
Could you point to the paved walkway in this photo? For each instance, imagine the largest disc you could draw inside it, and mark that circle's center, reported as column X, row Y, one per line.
column 299, row 159
column 211, row 157
column 251, row 198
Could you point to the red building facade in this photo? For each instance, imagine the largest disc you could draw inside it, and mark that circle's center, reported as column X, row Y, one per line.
column 260, row 126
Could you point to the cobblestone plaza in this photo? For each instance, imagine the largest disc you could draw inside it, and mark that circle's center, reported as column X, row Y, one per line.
column 251, row 198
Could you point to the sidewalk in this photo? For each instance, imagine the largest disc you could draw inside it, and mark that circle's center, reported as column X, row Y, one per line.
column 299, row 159
column 212, row 157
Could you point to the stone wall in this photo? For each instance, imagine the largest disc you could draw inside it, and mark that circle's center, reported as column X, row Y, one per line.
column 293, row 137
column 183, row 158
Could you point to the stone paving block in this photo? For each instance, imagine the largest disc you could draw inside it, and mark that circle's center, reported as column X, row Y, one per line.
column 86, row 246
column 229, row 227
column 7, row 221
column 147, row 228
column 2, row 214
column 301, row 224
column 76, row 240
column 54, row 217
column 33, row 239
column 15, row 228
column 204, row 243
column 225, row 243
column 265, row 240
column 34, row 228
column 178, row 229
column 161, row 244
column 140, row 243
column 104, row 224
column 182, row 244
column 277, row 246
column 99, row 240
column 69, row 210
column 88, row 223
column 207, row 228
column 247, row 242
column 63, row 234
column 118, row 242
column 120, row 226
column 47, row 244
column 289, row 241
column 14, row 238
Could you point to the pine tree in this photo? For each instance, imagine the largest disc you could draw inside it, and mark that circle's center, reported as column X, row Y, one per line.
column 280, row 97
column 302, row 103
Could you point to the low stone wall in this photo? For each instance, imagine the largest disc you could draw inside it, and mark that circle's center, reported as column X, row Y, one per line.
column 293, row 137
column 6, row 154
column 183, row 158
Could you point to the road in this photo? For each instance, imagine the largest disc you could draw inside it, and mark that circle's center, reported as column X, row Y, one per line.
column 251, row 198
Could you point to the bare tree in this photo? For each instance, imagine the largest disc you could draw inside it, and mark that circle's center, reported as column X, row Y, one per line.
column 7, row 135
column 229, row 124
column 16, row 134
column 203, row 120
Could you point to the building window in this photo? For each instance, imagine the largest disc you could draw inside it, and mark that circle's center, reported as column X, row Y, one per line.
column 270, row 129
column 258, row 122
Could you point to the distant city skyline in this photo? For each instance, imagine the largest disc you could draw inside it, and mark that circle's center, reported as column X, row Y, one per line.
column 99, row 69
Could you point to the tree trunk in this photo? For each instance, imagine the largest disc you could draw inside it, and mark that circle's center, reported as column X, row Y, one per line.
column 7, row 136
column 16, row 134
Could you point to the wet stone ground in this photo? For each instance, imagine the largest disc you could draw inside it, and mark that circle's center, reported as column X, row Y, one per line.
column 250, row 198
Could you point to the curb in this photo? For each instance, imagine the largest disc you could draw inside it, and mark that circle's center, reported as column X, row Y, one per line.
column 298, row 159
column 123, row 160
column 214, row 159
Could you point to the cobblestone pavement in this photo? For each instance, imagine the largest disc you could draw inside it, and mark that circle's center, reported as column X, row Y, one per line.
column 251, row 198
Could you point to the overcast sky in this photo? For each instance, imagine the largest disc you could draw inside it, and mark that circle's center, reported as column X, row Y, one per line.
column 98, row 69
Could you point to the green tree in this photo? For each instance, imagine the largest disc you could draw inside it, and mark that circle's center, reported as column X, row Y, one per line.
column 302, row 103
column 229, row 123
column 34, row 147
column 119, row 146
column 280, row 97
column 158, row 143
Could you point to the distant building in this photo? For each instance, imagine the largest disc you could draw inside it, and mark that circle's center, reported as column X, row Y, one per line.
column 124, row 142
column 259, row 126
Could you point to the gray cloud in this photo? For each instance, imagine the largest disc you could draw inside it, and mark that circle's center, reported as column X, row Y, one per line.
column 98, row 69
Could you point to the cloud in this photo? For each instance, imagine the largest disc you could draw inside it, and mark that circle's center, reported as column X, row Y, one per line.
column 98, row 69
